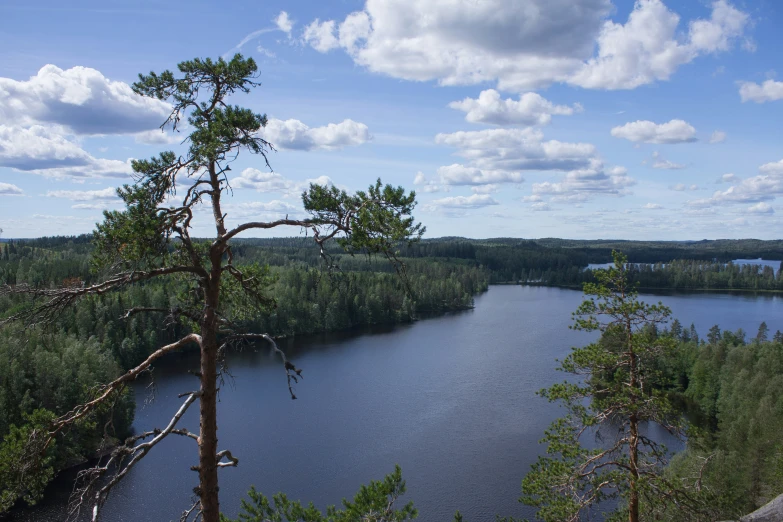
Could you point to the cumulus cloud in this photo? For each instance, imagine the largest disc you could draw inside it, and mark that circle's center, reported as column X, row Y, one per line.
column 774, row 168
column 530, row 109
column 264, row 181
column 765, row 187
column 263, row 210
column 40, row 150
column 38, row 147
column 495, row 156
column 718, row 137
column 461, row 202
column 106, row 194
column 485, row 189
column 295, row 135
column 581, row 184
column 457, row 174
column 541, row 207
column 284, row 23
column 760, row 208
column 682, row 187
column 7, row 189
column 645, row 131
column 648, row 46
column 653, row 206
column 517, row 150
column 729, row 178
column 157, row 137
column 526, row 44
column 770, row 90
column 321, row 35
column 80, row 99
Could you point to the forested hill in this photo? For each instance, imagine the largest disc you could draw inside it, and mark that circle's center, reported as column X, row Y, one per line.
column 549, row 260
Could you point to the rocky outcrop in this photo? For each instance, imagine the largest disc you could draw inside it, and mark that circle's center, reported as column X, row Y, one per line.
column 772, row 512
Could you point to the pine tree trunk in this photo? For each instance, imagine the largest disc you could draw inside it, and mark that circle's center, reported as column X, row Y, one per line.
column 207, row 450
column 633, row 500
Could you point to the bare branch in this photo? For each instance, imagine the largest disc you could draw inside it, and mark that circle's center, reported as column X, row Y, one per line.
column 292, row 372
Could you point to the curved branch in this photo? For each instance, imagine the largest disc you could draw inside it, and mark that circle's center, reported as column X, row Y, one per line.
column 106, row 391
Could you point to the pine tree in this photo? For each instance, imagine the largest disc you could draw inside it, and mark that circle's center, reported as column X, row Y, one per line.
column 617, row 393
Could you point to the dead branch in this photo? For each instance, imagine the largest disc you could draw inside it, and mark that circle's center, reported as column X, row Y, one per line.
column 291, row 371
column 127, row 450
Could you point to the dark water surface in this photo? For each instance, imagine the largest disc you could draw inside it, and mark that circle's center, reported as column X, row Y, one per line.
column 451, row 399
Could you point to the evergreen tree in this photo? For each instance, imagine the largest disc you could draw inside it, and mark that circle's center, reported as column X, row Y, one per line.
column 151, row 239
column 619, row 392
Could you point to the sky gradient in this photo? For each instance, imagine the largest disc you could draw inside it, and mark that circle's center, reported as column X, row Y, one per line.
column 518, row 118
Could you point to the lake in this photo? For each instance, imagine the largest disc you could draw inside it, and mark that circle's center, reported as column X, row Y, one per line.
column 451, row 399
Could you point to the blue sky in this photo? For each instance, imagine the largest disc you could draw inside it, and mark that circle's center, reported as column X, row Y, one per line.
column 522, row 118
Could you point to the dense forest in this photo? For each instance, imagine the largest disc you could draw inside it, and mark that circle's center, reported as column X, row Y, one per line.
column 729, row 383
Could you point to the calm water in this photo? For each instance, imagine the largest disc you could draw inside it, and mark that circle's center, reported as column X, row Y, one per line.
column 451, row 399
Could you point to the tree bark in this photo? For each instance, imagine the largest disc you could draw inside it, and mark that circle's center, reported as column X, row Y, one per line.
column 208, row 440
column 633, row 500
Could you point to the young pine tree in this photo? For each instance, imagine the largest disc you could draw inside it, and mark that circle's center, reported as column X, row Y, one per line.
column 616, row 393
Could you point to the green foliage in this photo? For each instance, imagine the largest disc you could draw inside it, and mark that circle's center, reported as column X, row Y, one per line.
column 737, row 455
column 619, row 387
column 373, row 503
column 25, row 467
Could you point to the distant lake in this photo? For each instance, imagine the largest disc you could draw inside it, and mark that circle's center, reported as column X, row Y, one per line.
column 755, row 262
column 451, row 399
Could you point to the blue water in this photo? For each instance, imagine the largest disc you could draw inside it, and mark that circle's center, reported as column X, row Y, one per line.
column 451, row 399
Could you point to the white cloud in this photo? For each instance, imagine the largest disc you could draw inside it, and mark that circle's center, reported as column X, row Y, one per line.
column 40, row 150
column 157, row 137
column 718, row 137
column 457, row 174
column 645, row 131
column 541, row 207
column 106, row 194
column 462, row 202
column 580, row 185
column 295, row 135
column 668, row 165
column 648, row 47
column 284, row 23
column 264, row 181
column 535, row 198
column 7, row 189
column 757, row 189
column 653, row 206
column 774, row 168
column 38, row 147
column 760, row 208
column 321, row 35
column 501, row 155
column 80, row 99
column 525, row 44
column 681, row 187
column 729, row 178
column 770, row 90
column 530, row 109
column 517, row 150
column 263, row 210
column 485, row 189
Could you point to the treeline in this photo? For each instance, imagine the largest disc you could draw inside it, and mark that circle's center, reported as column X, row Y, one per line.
column 733, row 383
column 679, row 274
column 44, row 372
